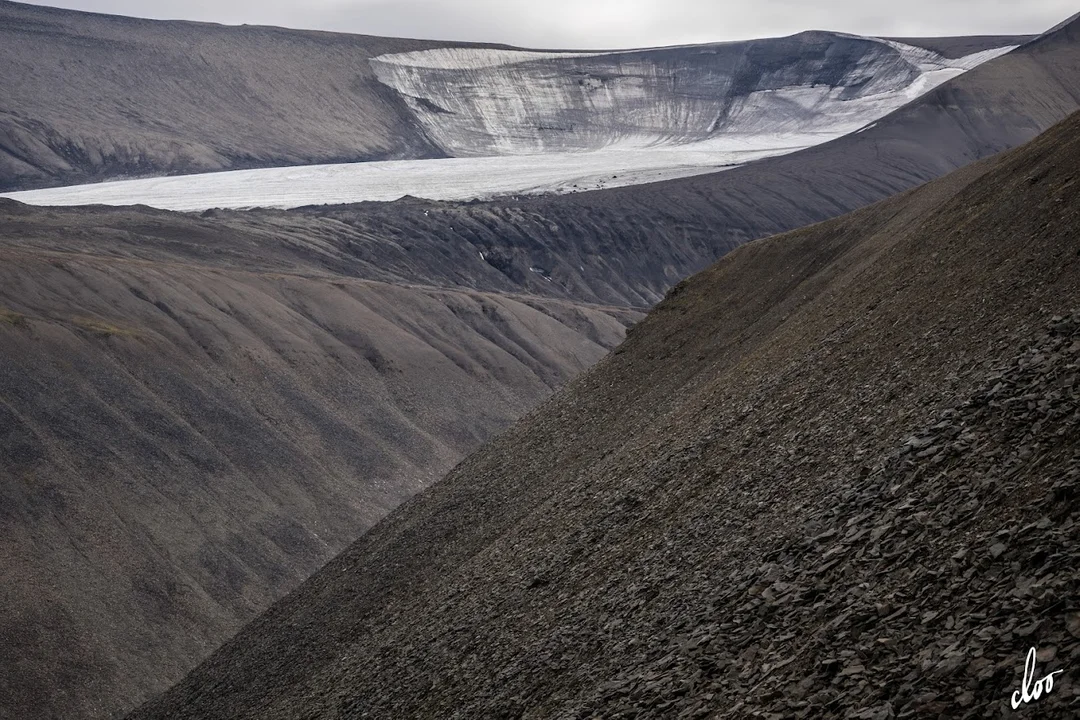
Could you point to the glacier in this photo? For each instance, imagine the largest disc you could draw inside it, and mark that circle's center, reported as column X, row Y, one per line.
column 482, row 102
column 519, row 121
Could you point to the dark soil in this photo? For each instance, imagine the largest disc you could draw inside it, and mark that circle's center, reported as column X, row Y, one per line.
column 834, row 475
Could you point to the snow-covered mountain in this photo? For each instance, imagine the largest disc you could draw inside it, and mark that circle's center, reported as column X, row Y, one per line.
column 600, row 120
column 812, row 86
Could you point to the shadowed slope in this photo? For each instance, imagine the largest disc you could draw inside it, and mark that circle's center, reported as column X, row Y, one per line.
column 731, row 513
column 192, row 421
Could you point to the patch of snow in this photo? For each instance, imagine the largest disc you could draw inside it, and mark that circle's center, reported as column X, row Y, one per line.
column 477, row 101
column 442, row 179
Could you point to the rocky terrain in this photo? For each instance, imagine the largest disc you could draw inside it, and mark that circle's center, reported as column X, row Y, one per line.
column 915, row 529
column 834, row 475
column 199, row 410
column 95, row 97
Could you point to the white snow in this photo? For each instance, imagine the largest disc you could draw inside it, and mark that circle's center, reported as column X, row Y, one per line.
column 447, row 179
column 479, row 102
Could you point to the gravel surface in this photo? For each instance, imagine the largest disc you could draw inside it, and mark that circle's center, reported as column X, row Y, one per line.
column 834, row 475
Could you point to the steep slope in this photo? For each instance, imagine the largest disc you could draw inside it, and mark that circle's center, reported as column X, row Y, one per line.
column 211, row 98
column 287, row 304
column 87, row 97
column 832, row 476
column 783, row 91
column 193, row 419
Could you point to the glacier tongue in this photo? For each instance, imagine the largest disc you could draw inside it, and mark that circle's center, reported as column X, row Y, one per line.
column 503, row 102
column 446, row 179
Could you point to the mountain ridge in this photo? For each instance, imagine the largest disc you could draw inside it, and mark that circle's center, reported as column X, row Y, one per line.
column 218, row 97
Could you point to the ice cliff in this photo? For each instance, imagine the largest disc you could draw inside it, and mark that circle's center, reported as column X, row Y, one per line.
column 814, row 86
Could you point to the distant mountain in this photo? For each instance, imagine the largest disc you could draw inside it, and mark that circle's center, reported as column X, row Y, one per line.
column 834, row 475
column 483, row 101
column 91, row 97
column 994, row 107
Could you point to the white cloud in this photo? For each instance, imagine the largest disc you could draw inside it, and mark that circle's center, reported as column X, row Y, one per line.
column 609, row 23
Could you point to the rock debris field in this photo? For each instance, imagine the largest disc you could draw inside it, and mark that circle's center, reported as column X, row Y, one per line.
column 900, row 652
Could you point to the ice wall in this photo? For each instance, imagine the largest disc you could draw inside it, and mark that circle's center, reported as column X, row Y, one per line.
column 500, row 102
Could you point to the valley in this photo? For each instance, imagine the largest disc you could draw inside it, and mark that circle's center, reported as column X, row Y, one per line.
column 370, row 377
column 845, row 455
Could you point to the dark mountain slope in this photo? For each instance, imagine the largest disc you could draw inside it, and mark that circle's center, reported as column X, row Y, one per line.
column 622, row 247
column 87, row 97
column 833, row 475
column 192, row 420
column 564, row 245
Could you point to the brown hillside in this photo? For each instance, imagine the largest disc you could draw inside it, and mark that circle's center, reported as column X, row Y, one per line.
column 90, row 96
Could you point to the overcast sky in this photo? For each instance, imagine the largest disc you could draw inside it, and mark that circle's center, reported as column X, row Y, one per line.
column 609, row 23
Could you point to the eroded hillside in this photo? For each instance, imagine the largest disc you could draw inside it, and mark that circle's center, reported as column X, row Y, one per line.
column 834, row 475
column 90, row 96
column 193, row 419
column 200, row 410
